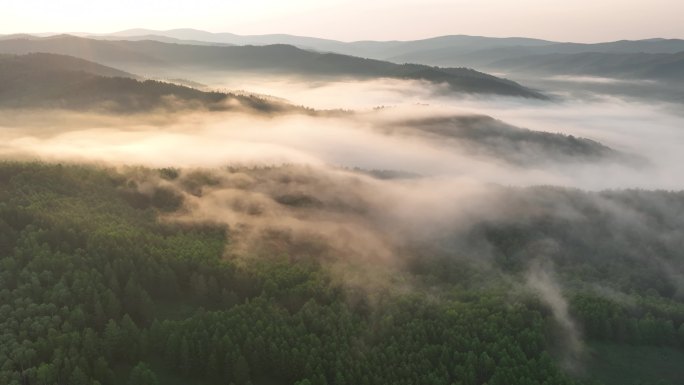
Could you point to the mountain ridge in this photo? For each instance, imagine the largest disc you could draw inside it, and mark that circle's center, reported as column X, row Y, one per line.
column 145, row 56
column 41, row 80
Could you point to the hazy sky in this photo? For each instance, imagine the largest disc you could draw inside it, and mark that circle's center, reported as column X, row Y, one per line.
column 567, row 20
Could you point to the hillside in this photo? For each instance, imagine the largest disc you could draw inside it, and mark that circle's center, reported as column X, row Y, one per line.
column 482, row 56
column 181, row 59
column 643, row 59
column 58, row 81
column 485, row 136
column 25, row 65
column 666, row 67
column 141, row 300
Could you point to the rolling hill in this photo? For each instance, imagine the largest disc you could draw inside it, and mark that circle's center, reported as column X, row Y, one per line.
column 50, row 81
column 666, row 67
column 182, row 59
column 654, row 59
column 482, row 55
column 484, row 136
column 447, row 50
column 43, row 62
column 43, row 80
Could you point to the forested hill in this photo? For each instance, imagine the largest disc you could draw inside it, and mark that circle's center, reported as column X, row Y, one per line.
column 26, row 65
column 483, row 135
column 94, row 289
column 114, row 296
column 661, row 66
column 182, row 59
column 57, row 81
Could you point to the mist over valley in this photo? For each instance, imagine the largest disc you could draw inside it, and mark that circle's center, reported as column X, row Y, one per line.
column 182, row 206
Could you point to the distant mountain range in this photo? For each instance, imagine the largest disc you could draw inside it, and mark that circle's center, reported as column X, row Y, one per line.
column 623, row 58
column 442, row 50
column 42, row 80
column 155, row 57
column 382, row 50
column 179, row 53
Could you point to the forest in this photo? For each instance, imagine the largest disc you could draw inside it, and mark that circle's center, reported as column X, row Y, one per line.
column 341, row 192
column 103, row 282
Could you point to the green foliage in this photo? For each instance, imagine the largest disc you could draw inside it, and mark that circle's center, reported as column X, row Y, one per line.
column 618, row 364
column 95, row 288
column 141, row 374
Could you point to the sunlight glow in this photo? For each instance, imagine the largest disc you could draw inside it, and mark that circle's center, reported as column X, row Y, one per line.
column 580, row 20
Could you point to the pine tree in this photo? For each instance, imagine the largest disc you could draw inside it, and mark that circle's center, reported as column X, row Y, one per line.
column 141, row 374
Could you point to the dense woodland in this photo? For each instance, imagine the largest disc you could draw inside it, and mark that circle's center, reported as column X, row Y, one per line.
column 95, row 289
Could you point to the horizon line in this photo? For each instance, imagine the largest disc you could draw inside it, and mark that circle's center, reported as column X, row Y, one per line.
column 151, row 32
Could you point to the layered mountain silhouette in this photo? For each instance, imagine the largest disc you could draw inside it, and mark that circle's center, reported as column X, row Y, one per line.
column 442, row 48
column 383, row 50
column 646, row 59
column 149, row 56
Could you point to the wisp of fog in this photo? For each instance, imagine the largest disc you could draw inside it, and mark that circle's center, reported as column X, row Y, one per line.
column 369, row 185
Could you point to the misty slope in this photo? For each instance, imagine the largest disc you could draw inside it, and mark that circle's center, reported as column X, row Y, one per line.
column 58, row 81
column 150, row 56
column 483, row 56
column 666, row 67
column 621, row 46
column 86, row 257
column 645, row 59
column 485, row 136
column 42, row 62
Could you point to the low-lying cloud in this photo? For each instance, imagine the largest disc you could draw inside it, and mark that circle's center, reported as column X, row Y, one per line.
column 291, row 183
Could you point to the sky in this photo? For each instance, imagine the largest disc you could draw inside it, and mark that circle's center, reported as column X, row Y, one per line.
column 348, row 20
